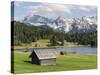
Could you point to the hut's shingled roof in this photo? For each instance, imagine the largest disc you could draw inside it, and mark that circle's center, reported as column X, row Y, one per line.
column 44, row 54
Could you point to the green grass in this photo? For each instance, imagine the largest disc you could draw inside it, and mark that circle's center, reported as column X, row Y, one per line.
column 63, row 63
column 45, row 43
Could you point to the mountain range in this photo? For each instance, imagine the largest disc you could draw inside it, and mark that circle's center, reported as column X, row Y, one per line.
column 73, row 25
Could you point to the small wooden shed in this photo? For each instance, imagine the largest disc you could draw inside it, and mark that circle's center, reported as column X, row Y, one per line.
column 43, row 57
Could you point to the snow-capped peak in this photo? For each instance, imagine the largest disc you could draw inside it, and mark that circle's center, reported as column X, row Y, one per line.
column 86, row 23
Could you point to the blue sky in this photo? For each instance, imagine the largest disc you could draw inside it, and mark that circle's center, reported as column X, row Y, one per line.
column 23, row 9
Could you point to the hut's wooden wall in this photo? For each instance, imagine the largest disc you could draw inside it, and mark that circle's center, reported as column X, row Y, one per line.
column 51, row 61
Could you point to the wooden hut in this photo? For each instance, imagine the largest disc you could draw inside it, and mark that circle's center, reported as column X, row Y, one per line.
column 43, row 57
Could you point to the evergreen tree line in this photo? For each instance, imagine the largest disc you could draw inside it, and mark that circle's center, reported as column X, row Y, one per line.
column 57, row 39
column 28, row 33
column 83, row 38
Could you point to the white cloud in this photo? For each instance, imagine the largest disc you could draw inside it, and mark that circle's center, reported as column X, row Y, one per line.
column 54, row 10
column 87, row 8
column 59, row 7
column 41, row 10
column 47, row 9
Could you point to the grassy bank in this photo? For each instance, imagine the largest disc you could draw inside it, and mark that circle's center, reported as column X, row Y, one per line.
column 45, row 43
column 63, row 63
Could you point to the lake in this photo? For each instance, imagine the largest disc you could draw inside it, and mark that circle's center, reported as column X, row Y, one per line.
column 81, row 50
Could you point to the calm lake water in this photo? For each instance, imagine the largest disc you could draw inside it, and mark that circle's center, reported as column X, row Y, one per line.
column 81, row 50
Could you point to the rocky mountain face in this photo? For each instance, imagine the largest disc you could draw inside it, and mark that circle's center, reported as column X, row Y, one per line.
column 83, row 24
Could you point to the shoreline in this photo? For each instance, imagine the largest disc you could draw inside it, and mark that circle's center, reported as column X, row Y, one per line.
column 17, row 47
column 53, row 47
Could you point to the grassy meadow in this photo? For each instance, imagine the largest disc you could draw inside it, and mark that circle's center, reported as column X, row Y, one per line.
column 44, row 44
column 63, row 63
